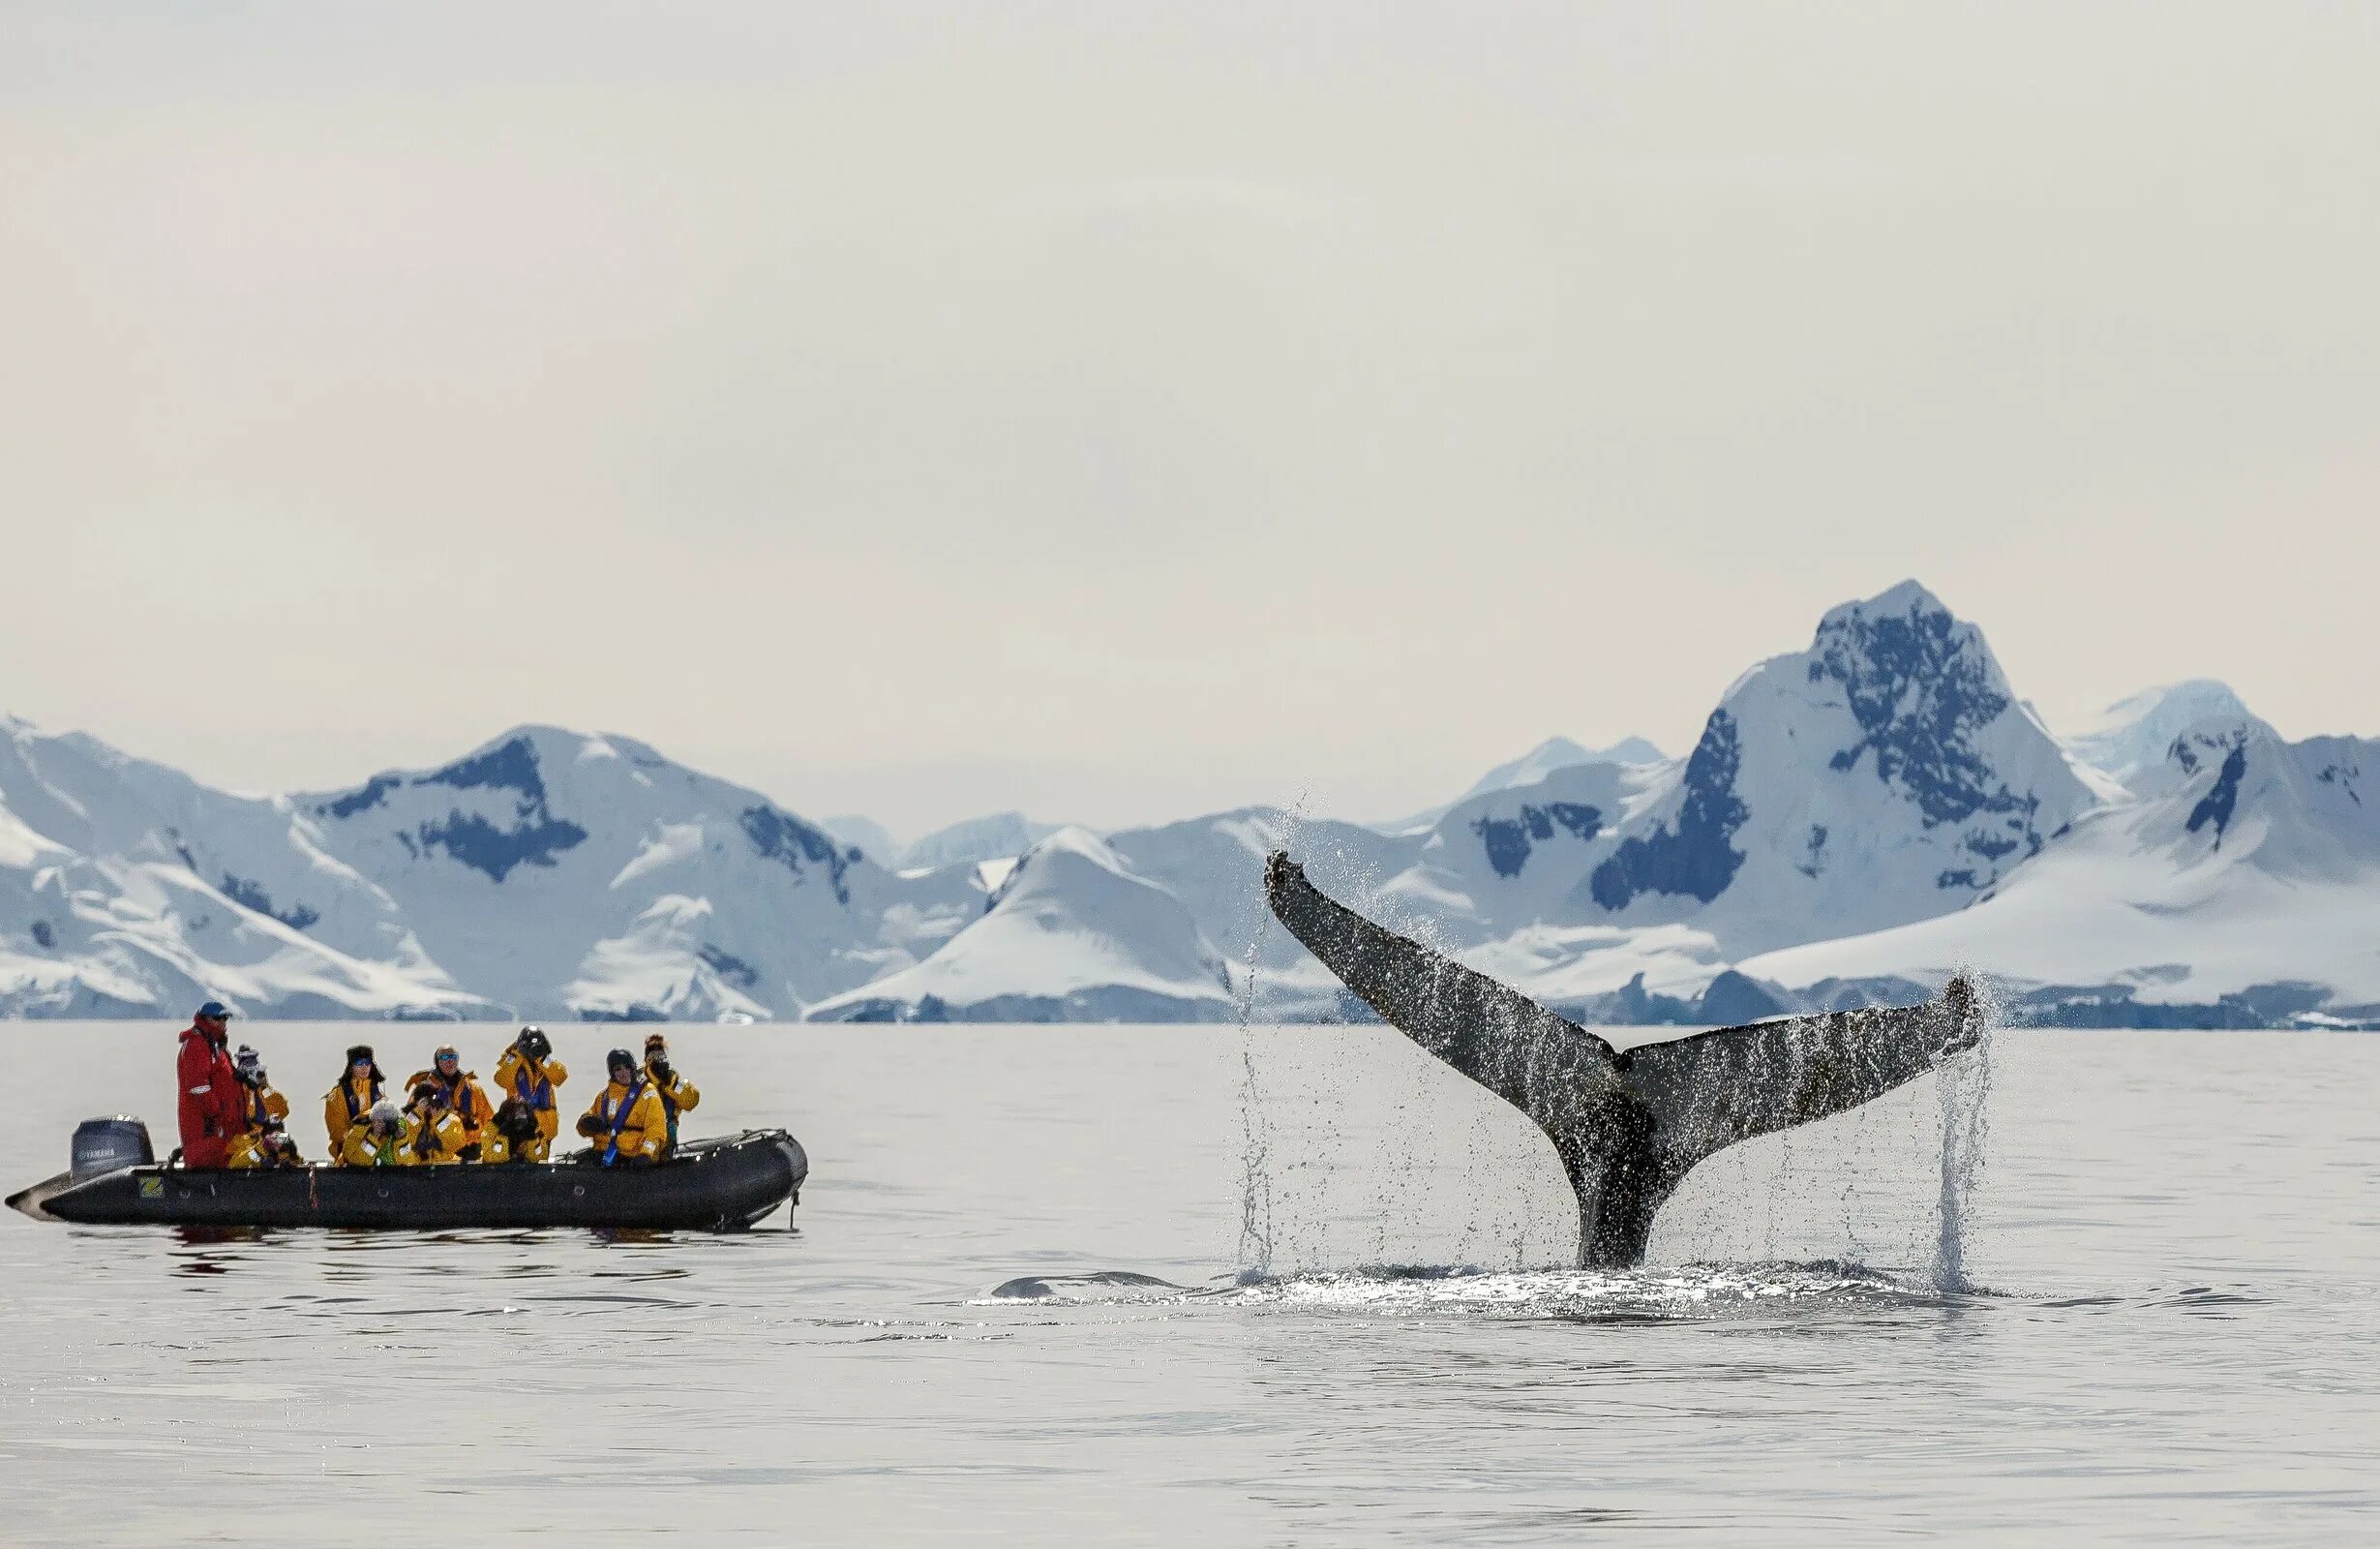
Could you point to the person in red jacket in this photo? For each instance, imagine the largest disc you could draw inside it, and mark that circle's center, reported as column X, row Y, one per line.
column 212, row 1108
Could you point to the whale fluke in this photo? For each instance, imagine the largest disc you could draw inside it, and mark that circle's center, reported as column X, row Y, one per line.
column 1628, row 1126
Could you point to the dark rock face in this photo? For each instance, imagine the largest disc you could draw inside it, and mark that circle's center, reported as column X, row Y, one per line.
column 362, row 799
column 535, row 839
column 636, row 1011
column 1694, row 856
column 2222, row 797
column 2113, row 1006
column 481, row 845
column 1508, row 841
column 1920, row 692
column 785, row 838
column 1919, row 698
column 2343, row 776
column 730, row 967
column 250, row 895
column 512, row 766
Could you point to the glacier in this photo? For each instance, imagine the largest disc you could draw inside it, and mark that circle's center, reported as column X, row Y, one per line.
column 1858, row 820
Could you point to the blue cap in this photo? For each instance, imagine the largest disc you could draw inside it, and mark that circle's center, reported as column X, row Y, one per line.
column 215, row 1009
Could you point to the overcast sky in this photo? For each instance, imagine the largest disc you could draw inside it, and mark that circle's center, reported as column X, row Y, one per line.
column 1122, row 412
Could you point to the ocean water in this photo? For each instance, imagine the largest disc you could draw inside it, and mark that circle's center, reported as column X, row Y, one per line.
column 1279, row 1286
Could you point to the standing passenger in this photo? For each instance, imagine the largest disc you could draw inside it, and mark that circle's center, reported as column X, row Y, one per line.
column 346, row 1105
column 470, row 1104
column 210, row 1106
column 530, row 1071
column 676, row 1092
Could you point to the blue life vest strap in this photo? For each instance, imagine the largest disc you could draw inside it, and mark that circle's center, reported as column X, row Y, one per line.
column 537, row 1093
column 619, row 1119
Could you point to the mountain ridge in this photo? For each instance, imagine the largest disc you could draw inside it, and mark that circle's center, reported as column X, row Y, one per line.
column 1857, row 818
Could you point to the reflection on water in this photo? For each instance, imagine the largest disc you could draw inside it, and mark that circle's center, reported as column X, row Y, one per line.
column 1012, row 1305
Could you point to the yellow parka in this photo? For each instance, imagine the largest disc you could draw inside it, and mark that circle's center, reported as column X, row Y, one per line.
column 643, row 1134
column 678, row 1095
column 533, row 1083
column 496, row 1149
column 360, row 1149
column 265, row 1105
column 248, row 1151
column 343, row 1108
column 470, row 1106
column 434, row 1142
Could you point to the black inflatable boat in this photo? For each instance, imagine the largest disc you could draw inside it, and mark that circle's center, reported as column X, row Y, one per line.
column 718, row 1185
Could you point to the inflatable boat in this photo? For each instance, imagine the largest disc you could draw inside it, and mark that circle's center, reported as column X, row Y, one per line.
column 717, row 1185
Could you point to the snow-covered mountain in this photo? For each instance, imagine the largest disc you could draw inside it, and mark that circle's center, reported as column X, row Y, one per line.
column 2240, row 887
column 1000, row 837
column 1860, row 818
column 1074, row 935
column 2129, row 737
column 1552, row 754
column 546, row 873
column 1857, row 819
column 126, row 887
column 1885, row 775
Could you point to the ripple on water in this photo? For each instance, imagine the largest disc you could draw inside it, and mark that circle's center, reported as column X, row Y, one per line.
column 1640, row 1294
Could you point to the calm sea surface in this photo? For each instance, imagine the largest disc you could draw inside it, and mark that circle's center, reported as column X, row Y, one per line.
column 2109, row 1287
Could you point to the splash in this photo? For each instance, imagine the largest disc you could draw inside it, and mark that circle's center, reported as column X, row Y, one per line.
column 1255, row 1251
column 1693, row 1290
column 1962, row 1084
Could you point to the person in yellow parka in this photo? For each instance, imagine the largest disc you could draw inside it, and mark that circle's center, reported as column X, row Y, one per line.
column 345, row 1106
column 263, row 1108
column 530, row 1071
column 379, row 1141
column 626, row 1124
column 435, row 1135
column 513, row 1136
column 677, row 1093
column 470, row 1104
column 265, row 1148
column 263, row 1139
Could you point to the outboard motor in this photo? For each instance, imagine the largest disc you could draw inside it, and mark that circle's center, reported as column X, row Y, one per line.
column 109, row 1145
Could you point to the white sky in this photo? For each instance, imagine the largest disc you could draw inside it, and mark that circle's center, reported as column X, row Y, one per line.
column 1122, row 412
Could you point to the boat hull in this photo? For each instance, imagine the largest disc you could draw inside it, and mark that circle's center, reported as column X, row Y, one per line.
column 718, row 1185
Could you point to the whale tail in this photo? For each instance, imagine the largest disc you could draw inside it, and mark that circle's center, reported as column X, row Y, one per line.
column 1627, row 1126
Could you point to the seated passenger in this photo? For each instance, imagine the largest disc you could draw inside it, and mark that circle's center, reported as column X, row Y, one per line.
column 269, row 1147
column 470, row 1104
column 436, row 1135
column 345, row 1106
column 513, row 1135
column 626, row 1124
column 677, row 1093
column 530, row 1071
column 379, row 1141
